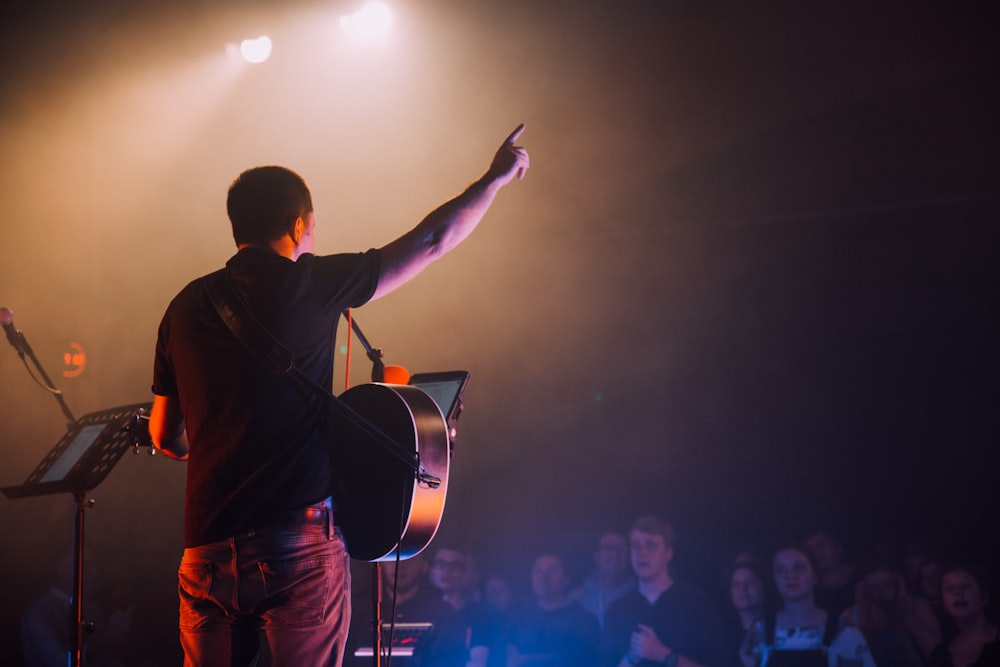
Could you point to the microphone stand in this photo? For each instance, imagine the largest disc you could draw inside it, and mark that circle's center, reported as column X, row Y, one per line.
column 374, row 353
column 23, row 348
column 378, row 375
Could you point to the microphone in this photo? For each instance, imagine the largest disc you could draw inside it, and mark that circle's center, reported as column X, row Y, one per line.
column 13, row 335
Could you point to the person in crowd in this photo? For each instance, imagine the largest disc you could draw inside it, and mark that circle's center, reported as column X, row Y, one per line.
column 901, row 628
column 448, row 575
column 837, row 577
column 45, row 625
column 800, row 633
column 747, row 595
column 552, row 630
column 610, row 579
column 976, row 642
column 498, row 594
column 915, row 554
column 409, row 598
column 929, row 588
column 663, row 620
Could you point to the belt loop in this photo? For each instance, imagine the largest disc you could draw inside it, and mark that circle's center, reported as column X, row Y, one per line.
column 331, row 530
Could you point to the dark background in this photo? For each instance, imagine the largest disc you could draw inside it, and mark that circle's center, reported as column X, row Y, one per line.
column 749, row 284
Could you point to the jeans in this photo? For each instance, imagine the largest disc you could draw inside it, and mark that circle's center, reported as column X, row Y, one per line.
column 279, row 594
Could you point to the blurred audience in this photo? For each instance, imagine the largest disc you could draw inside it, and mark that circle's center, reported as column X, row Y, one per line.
column 663, row 621
column 610, row 579
column 450, row 577
column 747, row 603
column 901, row 628
column 836, row 577
column 46, row 624
column 799, row 632
column 977, row 640
column 410, row 599
column 552, row 630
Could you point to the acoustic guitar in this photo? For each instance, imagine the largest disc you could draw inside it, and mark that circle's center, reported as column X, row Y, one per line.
column 384, row 508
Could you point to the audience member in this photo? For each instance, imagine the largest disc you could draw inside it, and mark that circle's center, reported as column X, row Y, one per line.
column 799, row 633
column 929, row 587
column 663, row 620
column 552, row 630
column 977, row 640
column 45, row 625
column 901, row 629
column 915, row 554
column 610, row 579
column 448, row 575
column 407, row 594
column 747, row 600
column 837, row 579
column 498, row 595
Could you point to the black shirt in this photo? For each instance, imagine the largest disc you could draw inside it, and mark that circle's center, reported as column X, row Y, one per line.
column 683, row 617
column 257, row 446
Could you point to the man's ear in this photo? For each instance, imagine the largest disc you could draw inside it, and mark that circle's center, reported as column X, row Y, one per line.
column 298, row 230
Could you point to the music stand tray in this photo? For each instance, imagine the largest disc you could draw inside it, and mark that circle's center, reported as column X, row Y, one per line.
column 85, row 455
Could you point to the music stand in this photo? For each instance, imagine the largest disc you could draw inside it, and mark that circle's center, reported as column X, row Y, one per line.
column 80, row 461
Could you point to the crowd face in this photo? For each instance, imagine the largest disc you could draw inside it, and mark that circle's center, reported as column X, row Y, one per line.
column 961, row 595
column 930, row 579
column 612, row 554
column 746, row 590
column 407, row 574
column 548, row 577
column 793, row 575
column 448, row 570
column 498, row 593
column 881, row 586
column 824, row 551
column 650, row 555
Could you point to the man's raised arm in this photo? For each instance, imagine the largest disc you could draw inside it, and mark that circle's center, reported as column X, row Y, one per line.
column 449, row 224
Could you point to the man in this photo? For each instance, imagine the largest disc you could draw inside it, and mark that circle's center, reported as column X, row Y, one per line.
column 554, row 631
column 264, row 574
column 407, row 593
column 837, row 578
column 449, row 576
column 610, row 579
column 663, row 621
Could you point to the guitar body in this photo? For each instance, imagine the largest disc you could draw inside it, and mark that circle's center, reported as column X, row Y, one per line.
column 380, row 507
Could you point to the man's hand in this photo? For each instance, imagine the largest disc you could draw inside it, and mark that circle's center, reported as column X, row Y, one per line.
column 645, row 645
column 510, row 161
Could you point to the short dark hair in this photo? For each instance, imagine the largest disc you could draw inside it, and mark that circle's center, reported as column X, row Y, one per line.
column 654, row 525
column 264, row 202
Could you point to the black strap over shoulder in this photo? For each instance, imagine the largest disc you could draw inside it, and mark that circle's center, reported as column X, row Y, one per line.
column 832, row 627
column 770, row 620
column 279, row 360
column 245, row 326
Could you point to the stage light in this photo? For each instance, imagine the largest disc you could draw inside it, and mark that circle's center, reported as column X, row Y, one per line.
column 372, row 22
column 256, row 50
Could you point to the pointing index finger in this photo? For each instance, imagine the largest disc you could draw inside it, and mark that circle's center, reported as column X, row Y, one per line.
column 515, row 134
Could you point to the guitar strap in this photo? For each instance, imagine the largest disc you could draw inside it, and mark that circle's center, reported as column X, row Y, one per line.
column 279, row 360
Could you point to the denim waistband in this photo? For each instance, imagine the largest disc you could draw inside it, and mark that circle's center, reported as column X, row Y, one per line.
column 317, row 514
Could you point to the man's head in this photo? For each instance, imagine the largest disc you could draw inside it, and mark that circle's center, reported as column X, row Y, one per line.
column 448, row 570
column 264, row 204
column 404, row 576
column 824, row 550
column 611, row 557
column 549, row 581
column 651, row 546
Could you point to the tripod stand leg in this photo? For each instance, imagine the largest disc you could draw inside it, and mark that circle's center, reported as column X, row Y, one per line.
column 376, row 614
column 76, row 611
